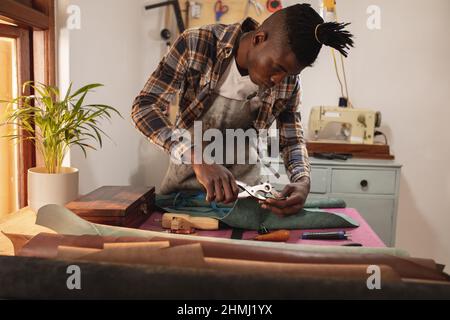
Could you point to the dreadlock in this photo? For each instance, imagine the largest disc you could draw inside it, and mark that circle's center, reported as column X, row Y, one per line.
column 307, row 32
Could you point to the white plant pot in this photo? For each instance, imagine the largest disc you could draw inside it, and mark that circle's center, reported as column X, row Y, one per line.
column 51, row 188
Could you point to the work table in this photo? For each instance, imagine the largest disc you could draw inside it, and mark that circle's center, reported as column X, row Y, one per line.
column 23, row 222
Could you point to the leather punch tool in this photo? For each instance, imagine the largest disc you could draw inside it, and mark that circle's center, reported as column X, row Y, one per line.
column 262, row 191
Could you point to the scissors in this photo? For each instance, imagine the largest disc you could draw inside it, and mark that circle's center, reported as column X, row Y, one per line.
column 220, row 9
column 262, row 191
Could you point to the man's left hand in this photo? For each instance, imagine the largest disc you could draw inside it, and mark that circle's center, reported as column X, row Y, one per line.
column 295, row 195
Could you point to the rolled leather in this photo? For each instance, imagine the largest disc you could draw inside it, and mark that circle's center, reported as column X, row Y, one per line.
column 46, row 245
column 25, row 278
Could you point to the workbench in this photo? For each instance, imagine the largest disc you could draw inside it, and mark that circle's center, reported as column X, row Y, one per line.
column 23, row 222
column 46, row 278
column 363, row 235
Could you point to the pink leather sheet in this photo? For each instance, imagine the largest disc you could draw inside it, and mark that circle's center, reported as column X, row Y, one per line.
column 364, row 234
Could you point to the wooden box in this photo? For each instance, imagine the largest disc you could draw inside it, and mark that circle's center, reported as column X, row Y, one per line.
column 126, row 206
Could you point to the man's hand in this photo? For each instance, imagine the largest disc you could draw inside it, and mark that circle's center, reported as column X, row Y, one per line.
column 218, row 181
column 295, row 194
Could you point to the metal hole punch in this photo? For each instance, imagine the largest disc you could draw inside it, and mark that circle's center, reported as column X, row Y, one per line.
column 262, row 191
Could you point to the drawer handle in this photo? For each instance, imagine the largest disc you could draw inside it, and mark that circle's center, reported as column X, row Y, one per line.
column 364, row 183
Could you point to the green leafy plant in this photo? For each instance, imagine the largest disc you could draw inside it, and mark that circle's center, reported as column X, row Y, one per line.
column 55, row 123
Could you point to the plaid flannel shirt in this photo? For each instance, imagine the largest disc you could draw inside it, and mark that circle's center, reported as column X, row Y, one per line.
column 192, row 68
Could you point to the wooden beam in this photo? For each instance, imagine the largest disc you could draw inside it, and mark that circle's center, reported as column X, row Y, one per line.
column 50, row 44
column 43, row 6
column 48, row 7
column 9, row 31
column 27, row 153
column 23, row 15
column 36, row 22
column 26, row 3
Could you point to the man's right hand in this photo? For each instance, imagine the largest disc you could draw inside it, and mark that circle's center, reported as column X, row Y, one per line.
column 218, row 181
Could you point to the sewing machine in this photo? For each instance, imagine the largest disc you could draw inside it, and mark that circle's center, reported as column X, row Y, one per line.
column 357, row 125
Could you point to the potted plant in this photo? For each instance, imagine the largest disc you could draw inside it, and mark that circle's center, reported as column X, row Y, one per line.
column 55, row 123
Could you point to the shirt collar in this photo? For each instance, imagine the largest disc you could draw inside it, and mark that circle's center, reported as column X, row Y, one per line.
column 228, row 35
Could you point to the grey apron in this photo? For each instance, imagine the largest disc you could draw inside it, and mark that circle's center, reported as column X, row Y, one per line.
column 224, row 113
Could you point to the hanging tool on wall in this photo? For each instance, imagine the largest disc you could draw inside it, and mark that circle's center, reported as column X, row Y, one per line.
column 273, row 5
column 220, row 9
column 259, row 9
column 166, row 33
column 329, row 14
column 176, row 7
column 195, row 9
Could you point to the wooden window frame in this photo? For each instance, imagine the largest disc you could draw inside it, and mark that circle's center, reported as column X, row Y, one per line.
column 35, row 20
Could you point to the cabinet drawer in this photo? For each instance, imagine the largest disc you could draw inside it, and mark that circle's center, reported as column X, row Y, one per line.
column 378, row 213
column 363, row 181
column 319, row 180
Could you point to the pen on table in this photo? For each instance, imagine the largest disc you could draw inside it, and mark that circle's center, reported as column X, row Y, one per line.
column 333, row 235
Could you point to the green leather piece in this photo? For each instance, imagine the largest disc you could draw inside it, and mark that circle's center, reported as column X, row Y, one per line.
column 325, row 203
column 247, row 214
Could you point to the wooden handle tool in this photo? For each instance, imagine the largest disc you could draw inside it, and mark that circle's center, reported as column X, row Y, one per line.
column 277, row 236
column 201, row 223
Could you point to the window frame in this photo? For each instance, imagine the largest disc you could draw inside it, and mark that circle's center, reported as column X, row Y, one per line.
column 35, row 28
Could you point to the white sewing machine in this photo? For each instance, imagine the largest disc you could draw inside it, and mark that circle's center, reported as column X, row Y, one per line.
column 357, row 125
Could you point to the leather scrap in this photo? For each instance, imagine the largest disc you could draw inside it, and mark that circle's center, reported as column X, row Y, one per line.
column 46, row 245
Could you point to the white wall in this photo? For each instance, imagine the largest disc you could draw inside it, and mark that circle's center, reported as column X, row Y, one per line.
column 117, row 45
column 401, row 70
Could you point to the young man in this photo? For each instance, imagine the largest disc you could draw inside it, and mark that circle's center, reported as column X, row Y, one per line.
column 239, row 76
